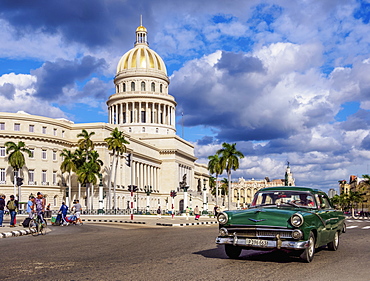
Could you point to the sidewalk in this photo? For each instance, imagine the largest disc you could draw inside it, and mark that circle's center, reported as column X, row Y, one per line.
column 6, row 231
column 152, row 220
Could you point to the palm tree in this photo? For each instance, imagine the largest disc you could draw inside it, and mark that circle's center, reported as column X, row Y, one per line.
column 16, row 159
column 88, row 174
column 79, row 158
column 116, row 143
column 68, row 165
column 214, row 167
column 85, row 143
column 229, row 161
column 354, row 197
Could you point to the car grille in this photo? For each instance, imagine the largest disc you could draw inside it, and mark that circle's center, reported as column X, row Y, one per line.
column 261, row 233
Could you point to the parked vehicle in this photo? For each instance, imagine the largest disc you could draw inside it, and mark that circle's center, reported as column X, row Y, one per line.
column 294, row 219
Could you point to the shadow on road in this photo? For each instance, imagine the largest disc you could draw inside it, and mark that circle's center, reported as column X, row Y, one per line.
column 276, row 256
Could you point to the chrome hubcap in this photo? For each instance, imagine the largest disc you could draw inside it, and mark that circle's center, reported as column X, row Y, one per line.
column 311, row 247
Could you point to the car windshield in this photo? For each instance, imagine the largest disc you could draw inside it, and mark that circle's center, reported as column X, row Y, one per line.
column 292, row 198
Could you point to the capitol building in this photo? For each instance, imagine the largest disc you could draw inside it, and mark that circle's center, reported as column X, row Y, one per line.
column 145, row 112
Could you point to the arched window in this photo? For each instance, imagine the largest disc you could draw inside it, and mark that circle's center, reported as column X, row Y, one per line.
column 132, row 86
column 124, row 87
column 153, row 87
column 143, row 86
column 55, row 201
column 161, row 88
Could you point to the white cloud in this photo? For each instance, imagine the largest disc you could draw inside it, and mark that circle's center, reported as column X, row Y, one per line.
column 23, row 99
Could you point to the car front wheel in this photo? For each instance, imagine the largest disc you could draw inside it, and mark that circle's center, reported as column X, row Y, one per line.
column 233, row 252
column 333, row 245
column 309, row 252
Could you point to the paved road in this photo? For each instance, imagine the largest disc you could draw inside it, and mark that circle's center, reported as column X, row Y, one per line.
column 141, row 252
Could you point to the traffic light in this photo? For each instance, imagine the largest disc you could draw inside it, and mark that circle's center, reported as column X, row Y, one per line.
column 135, row 188
column 173, row 193
column 19, row 181
column 128, row 159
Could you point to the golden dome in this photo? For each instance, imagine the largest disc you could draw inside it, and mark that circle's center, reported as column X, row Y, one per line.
column 141, row 28
column 141, row 58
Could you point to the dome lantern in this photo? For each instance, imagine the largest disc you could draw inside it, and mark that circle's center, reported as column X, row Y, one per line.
column 141, row 34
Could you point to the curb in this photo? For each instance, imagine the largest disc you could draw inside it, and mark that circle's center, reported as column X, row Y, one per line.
column 92, row 220
column 16, row 233
column 187, row 224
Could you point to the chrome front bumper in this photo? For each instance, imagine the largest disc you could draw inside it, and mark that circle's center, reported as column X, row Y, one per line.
column 267, row 244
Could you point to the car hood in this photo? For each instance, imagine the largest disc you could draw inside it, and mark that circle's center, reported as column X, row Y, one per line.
column 271, row 216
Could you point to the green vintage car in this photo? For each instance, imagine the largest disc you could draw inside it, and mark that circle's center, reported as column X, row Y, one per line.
column 294, row 219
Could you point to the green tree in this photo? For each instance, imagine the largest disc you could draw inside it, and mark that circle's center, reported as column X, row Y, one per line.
column 214, row 167
column 85, row 143
column 88, row 174
column 16, row 159
column 116, row 143
column 68, row 166
column 354, row 197
column 229, row 161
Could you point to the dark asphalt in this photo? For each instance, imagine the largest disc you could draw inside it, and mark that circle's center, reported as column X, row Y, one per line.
column 137, row 252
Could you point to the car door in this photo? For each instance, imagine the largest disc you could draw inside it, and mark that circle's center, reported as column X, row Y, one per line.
column 326, row 213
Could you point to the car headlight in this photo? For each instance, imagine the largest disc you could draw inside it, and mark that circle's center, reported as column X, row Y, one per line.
column 222, row 218
column 296, row 220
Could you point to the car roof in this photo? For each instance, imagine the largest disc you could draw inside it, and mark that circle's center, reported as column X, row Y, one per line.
column 291, row 188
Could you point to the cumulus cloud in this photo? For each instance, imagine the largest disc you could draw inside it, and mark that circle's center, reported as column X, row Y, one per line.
column 22, row 96
column 53, row 77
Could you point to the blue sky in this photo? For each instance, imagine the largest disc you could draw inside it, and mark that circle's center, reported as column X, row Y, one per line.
column 285, row 80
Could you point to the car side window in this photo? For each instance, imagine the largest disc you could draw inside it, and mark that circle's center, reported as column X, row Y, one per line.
column 324, row 202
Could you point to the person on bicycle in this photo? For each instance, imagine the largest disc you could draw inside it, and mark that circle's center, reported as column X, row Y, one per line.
column 40, row 206
column 31, row 206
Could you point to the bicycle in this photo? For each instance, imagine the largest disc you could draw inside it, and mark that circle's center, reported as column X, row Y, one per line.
column 38, row 224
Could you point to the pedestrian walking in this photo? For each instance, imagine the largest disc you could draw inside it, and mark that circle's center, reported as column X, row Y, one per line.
column 78, row 209
column 12, row 206
column 2, row 206
column 187, row 212
column 63, row 211
column 159, row 212
column 196, row 213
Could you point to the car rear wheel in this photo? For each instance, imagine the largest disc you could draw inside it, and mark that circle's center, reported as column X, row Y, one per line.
column 309, row 252
column 233, row 252
column 333, row 245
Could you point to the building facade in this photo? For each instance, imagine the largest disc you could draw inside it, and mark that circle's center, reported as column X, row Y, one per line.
column 244, row 190
column 144, row 111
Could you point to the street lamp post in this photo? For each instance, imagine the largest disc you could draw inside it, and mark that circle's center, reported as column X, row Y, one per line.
column 238, row 199
column 101, row 202
column 148, row 190
column 173, row 194
column 205, row 208
column 186, row 196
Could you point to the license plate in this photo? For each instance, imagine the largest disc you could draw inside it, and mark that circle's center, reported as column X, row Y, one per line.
column 256, row 242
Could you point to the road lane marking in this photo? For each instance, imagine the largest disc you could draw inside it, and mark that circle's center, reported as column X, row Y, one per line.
column 365, row 227
column 352, row 226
